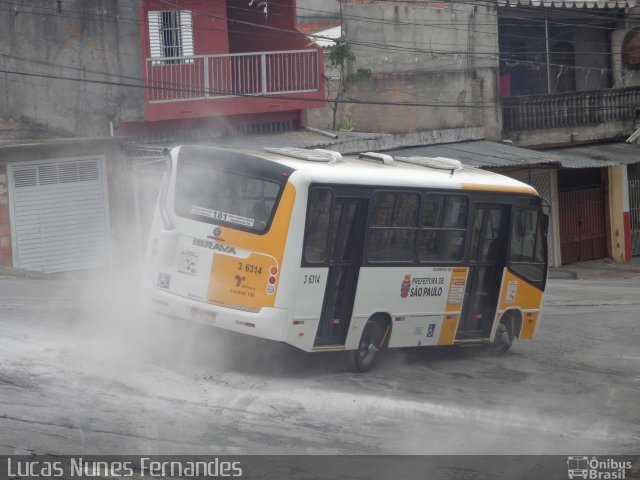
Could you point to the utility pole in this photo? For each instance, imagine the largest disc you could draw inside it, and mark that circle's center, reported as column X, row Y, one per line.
column 546, row 39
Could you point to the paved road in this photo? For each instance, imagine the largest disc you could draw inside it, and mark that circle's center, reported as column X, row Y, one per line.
column 82, row 371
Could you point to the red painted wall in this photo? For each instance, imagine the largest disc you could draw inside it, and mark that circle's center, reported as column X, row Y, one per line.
column 251, row 30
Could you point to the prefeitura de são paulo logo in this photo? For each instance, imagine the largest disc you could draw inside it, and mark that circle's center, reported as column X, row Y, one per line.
column 404, row 288
column 597, row 468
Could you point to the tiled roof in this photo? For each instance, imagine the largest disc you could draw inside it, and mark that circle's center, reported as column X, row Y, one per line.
column 486, row 154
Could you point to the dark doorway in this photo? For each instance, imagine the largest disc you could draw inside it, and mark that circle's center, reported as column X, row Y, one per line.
column 486, row 262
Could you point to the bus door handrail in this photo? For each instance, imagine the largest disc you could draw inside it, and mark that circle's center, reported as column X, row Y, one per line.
column 164, row 190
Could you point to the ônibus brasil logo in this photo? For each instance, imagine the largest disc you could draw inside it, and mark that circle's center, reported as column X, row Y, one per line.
column 597, row 469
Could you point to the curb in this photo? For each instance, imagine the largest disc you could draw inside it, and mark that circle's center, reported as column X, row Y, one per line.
column 10, row 272
column 553, row 274
column 19, row 273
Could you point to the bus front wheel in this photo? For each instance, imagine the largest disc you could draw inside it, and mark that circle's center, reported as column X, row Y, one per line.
column 362, row 358
column 503, row 339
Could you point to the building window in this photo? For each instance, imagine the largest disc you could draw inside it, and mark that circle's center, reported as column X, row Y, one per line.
column 563, row 67
column 631, row 50
column 171, row 36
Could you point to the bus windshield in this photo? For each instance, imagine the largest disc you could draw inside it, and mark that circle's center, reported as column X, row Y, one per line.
column 528, row 252
column 209, row 194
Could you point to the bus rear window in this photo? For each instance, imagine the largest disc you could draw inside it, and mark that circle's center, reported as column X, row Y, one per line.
column 216, row 196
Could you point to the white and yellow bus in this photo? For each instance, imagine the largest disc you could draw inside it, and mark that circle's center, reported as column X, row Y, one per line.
column 363, row 253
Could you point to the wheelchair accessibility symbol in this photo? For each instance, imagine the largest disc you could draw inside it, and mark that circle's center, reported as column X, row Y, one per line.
column 431, row 330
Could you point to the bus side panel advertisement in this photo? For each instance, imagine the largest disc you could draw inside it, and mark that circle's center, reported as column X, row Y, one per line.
column 455, row 298
column 425, row 302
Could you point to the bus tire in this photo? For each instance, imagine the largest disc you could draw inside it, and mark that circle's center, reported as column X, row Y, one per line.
column 362, row 358
column 503, row 340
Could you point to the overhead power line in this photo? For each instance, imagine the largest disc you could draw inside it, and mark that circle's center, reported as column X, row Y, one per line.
column 280, row 30
column 505, row 56
column 371, row 45
column 169, row 87
column 271, row 30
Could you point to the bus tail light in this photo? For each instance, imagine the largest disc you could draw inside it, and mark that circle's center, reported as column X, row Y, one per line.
column 271, row 287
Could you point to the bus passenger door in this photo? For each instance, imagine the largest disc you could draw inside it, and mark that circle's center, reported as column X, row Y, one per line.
column 487, row 259
column 345, row 257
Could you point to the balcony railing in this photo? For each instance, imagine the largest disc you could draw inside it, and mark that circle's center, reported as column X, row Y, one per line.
column 540, row 112
column 198, row 77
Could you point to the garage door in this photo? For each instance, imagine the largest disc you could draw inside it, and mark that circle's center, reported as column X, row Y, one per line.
column 583, row 225
column 59, row 214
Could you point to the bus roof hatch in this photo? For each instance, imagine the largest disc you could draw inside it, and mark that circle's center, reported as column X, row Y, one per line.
column 317, row 155
column 440, row 163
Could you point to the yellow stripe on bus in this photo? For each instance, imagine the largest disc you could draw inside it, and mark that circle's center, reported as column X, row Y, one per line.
column 499, row 188
column 330, row 347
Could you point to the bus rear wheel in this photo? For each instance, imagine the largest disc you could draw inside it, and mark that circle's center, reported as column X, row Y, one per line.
column 362, row 359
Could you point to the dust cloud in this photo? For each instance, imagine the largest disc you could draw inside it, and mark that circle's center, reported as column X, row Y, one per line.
column 95, row 371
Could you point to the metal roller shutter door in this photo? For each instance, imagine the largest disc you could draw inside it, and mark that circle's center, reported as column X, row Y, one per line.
column 583, row 225
column 59, row 214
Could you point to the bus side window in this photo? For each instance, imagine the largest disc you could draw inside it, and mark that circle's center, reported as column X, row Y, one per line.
column 317, row 229
column 443, row 228
column 392, row 234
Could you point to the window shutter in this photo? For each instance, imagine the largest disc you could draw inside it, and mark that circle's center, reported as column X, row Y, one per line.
column 186, row 32
column 154, row 34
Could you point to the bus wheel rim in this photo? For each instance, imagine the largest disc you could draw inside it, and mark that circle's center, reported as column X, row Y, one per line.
column 366, row 349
